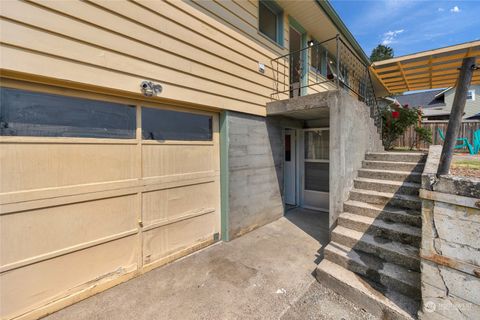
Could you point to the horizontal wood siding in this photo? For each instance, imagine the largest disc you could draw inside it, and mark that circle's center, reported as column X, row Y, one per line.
column 204, row 52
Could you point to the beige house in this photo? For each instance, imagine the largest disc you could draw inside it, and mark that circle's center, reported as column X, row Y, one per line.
column 472, row 105
column 135, row 132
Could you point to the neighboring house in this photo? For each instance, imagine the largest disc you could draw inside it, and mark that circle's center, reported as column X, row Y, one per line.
column 437, row 104
column 134, row 133
column 472, row 106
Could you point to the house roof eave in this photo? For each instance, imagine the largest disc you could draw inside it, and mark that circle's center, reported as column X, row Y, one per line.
column 340, row 25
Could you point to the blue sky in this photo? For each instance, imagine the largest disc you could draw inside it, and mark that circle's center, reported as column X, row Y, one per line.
column 409, row 26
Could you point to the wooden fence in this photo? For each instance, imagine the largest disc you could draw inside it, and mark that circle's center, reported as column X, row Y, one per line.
column 466, row 130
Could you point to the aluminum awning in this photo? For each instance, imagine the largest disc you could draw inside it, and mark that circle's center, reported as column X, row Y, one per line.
column 431, row 69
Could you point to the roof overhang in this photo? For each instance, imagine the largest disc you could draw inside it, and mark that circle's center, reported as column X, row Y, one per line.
column 322, row 22
column 431, row 69
column 431, row 113
column 441, row 93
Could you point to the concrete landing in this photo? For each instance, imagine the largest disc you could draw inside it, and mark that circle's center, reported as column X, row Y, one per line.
column 261, row 275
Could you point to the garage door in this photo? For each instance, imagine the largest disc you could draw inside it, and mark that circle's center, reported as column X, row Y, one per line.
column 94, row 190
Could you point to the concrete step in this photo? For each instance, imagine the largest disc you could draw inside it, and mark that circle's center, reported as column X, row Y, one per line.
column 392, row 251
column 386, row 273
column 393, row 166
column 376, row 299
column 387, row 186
column 394, row 231
column 408, row 202
column 389, row 214
column 405, row 176
column 396, row 156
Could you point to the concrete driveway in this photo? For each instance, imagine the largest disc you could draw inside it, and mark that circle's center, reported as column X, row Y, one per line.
column 266, row 274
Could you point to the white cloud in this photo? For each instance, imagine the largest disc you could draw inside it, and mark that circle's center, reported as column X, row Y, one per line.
column 441, row 9
column 455, row 9
column 390, row 36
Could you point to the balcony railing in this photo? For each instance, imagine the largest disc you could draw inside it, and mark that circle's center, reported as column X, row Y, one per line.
column 321, row 66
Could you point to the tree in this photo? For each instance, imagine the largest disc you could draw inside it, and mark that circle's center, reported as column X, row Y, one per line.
column 381, row 52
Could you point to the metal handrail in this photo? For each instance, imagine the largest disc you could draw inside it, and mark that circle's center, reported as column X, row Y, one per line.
column 350, row 72
column 303, row 49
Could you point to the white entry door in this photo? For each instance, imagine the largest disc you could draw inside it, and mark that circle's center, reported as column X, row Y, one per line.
column 316, row 168
column 290, row 167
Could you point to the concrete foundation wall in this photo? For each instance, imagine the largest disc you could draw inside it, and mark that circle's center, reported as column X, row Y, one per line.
column 255, row 151
column 450, row 251
column 352, row 134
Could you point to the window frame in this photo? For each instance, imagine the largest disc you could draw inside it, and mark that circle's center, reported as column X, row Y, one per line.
column 278, row 12
column 323, row 56
column 106, row 97
column 69, row 126
column 314, row 161
column 316, row 130
column 178, row 112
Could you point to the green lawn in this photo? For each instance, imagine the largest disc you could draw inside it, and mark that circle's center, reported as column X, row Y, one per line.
column 473, row 164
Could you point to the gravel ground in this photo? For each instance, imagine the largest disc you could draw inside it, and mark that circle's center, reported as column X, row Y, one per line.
column 321, row 303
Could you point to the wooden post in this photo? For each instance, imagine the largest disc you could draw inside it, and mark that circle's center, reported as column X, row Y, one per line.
column 419, row 124
column 463, row 82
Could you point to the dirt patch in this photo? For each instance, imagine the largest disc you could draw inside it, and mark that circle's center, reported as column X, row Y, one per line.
column 466, row 165
column 465, row 172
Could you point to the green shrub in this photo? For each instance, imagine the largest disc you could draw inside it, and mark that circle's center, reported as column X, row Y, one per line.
column 423, row 134
column 394, row 127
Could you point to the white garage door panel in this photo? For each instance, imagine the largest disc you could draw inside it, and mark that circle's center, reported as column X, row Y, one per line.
column 78, row 212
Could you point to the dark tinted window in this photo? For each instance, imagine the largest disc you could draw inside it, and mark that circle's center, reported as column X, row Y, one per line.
column 267, row 21
column 316, row 176
column 158, row 124
column 26, row 113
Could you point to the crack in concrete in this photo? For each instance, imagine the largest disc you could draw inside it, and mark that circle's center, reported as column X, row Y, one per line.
column 447, row 291
column 460, row 311
column 435, row 235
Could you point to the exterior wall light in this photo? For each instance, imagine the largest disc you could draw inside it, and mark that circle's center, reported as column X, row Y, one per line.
column 310, row 43
column 150, row 89
column 261, row 67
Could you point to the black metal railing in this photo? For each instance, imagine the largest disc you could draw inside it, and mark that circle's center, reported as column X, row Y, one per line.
column 321, row 66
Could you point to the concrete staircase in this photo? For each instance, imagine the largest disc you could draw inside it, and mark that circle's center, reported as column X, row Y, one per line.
column 373, row 257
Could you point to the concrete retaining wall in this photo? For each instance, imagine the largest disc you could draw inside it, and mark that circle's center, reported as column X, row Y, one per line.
column 255, row 151
column 352, row 134
column 450, row 250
